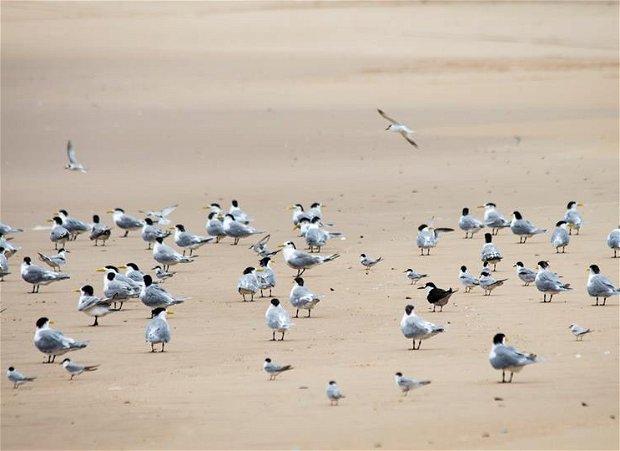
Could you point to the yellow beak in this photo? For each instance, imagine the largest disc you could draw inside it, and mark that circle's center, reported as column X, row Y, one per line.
column 169, row 312
column 110, row 211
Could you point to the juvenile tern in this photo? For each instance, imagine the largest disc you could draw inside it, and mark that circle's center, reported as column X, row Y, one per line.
column 238, row 213
column 166, row 256
column 490, row 253
column 300, row 260
column 560, row 237
column 469, row 224
column 4, row 264
column 437, row 296
column 238, row 230
column 58, row 234
column 302, row 298
column 151, row 232
column 161, row 274
column 188, row 240
column 369, row 262
column 467, row 279
column 75, row 369
column 52, row 342
column 488, row 283
column 414, row 327
column 161, row 215
column 333, row 393
column 38, row 276
column 54, row 261
column 215, row 226
column 572, row 217
column 153, row 296
column 124, row 221
column 266, row 276
column 579, row 331
column 523, row 228
column 99, row 232
column 248, row 283
column 414, row 276
column 428, row 236
column 549, row 282
column 277, row 319
column 273, row 369
column 397, row 127
column 599, row 286
column 74, row 226
column 5, row 229
column 157, row 330
column 92, row 305
column 613, row 241
column 17, row 378
column 405, row 384
column 73, row 164
column 525, row 274
column 493, row 218
column 506, row 358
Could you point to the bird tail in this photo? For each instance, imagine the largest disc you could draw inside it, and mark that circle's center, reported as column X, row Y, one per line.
column 425, row 382
column 30, row 379
column 62, row 275
column 79, row 344
column 91, row 367
column 438, row 329
column 206, row 239
column 286, row 368
column 331, row 257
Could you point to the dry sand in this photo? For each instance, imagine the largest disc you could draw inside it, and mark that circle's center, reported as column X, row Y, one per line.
column 274, row 103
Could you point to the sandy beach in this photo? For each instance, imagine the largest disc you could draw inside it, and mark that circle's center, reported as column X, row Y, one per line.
column 274, row 104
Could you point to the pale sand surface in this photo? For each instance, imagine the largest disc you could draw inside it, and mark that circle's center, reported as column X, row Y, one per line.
column 273, row 104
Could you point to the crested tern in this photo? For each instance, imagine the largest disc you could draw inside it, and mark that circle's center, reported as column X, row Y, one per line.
column 527, row 275
column 248, row 283
column 493, row 218
column 613, row 240
column 52, row 342
column 301, row 260
column 302, row 298
column 490, row 253
column 488, row 283
column 525, row 229
column 38, row 276
column 573, row 217
column 188, row 240
column 238, row 230
column 92, row 305
column 98, row 231
column 277, row 319
column 549, row 282
column 150, row 232
column 58, row 234
column 579, row 331
column 506, row 358
column 428, row 236
column 469, row 224
column 157, row 330
column 154, row 296
column 124, row 221
column 215, row 226
column 560, row 237
column 54, row 261
column 166, row 256
column 599, row 286
column 74, row 226
column 414, row 327
column 161, row 215
column 266, row 276
column 398, row 127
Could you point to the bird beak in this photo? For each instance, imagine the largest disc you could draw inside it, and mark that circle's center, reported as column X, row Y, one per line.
column 101, row 270
column 421, row 288
column 171, row 229
column 280, row 246
column 206, row 207
column 169, row 312
column 290, row 207
column 220, row 216
column 259, row 270
column 388, row 127
column 121, row 267
column 50, row 220
column 52, row 322
column 110, row 211
column 77, row 291
column 480, row 206
column 580, row 205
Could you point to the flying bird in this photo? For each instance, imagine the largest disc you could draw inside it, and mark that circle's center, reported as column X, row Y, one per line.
column 398, row 127
column 73, row 164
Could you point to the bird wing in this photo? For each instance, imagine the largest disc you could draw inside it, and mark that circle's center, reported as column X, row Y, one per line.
column 385, row 116
column 406, row 135
column 71, row 154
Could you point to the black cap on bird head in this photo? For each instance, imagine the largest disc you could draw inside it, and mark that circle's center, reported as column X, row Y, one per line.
column 299, row 281
column 315, row 205
column 268, row 360
column 571, row 204
column 264, row 261
column 408, row 309
column 11, row 368
column 595, row 269
column 157, row 311
column 304, row 219
column 490, row 204
column 428, row 284
column 488, row 238
column 114, row 268
column 465, row 211
column 133, row 266
column 275, row 302
column 65, row 360
column 159, row 239
column 120, row 209
column 88, row 290
column 110, row 275
column 463, row 268
column 180, row 227
column 543, row 264
column 519, row 264
column 559, row 223
column 228, row 215
column 363, row 255
column 235, row 203
column 212, row 214
column 498, row 339
column 399, row 374
column 315, row 219
column 148, row 221
column 249, row 270
column 64, row 212
column 422, row 227
column 57, row 220
column 27, row 260
column 517, row 215
column 215, row 204
column 42, row 321
column 332, row 382
column 148, row 280
column 1, row 249
column 96, row 219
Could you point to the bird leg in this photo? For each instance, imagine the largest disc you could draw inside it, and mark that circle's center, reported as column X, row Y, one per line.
column 152, row 347
column 503, row 376
column 604, row 300
column 96, row 323
column 419, row 344
column 273, row 336
column 282, row 339
column 511, row 374
column 309, row 312
column 126, row 233
column 162, row 346
column 297, row 314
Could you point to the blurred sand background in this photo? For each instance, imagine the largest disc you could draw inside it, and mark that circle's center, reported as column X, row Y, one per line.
column 275, row 103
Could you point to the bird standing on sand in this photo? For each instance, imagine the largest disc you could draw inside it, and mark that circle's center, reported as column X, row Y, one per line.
column 573, row 217
column 437, row 296
column 17, row 378
column 333, row 393
column 467, row 279
column 599, row 286
column 124, row 221
column 469, row 224
column 277, row 319
column 428, row 236
column 579, row 331
column 549, row 282
column 413, row 275
column 490, row 253
column 369, row 262
column 302, row 298
column 405, row 384
column 157, row 330
column 525, row 229
column 414, row 327
column 301, row 260
column 527, row 275
column 273, row 369
column 493, row 218
column 506, row 358
column 75, row 369
column 38, row 276
column 52, row 342
column 560, row 237
column 98, row 231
